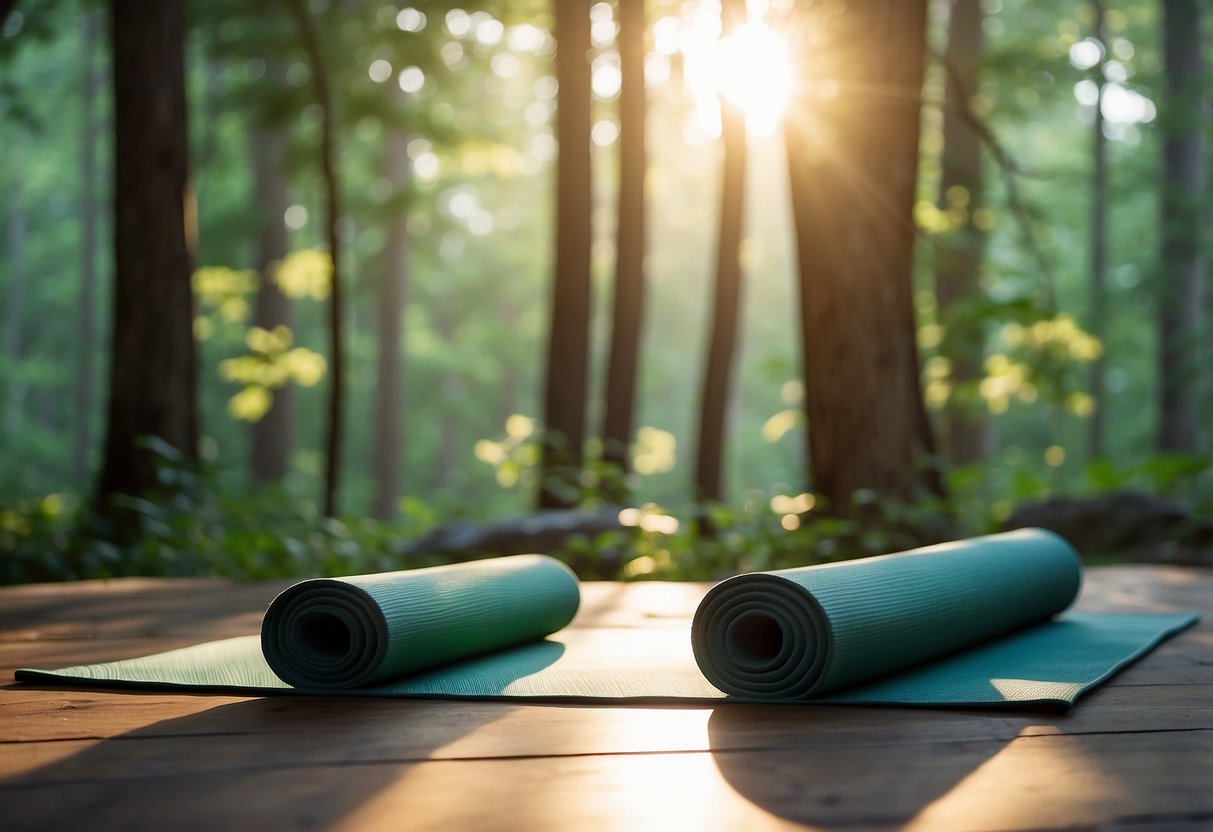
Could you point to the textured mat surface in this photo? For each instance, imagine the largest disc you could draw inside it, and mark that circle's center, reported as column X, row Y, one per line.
column 971, row 623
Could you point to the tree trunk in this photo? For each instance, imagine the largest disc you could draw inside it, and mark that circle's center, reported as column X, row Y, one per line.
column 1180, row 259
column 564, row 406
column 153, row 371
column 453, row 390
column 14, row 394
column 958, row 267
column 853, row 153
column 273, row 434
column 1099, row 247
column 85, row 348
column 6, row 8
column 387, row 439
column 627, row 314
column 717, row 376
column 332, row 213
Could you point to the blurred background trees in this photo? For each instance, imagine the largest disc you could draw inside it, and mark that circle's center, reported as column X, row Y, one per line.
column 990, row 286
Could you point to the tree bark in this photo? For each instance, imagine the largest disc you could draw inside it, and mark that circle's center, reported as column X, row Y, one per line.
column 1099, row 247
column 628, row 311
column 85, row 325
column 153, row 371
column 564, row 407
column 6, row 8
column 853, row 153
column 388, row 437
column 273, row 435
column 958, row 267
column 14, row 404
column 332, row 213
column 1180, row 259
column 718, row 371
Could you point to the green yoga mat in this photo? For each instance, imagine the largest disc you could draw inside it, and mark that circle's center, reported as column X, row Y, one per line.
column 350, row 632
column 972, row 623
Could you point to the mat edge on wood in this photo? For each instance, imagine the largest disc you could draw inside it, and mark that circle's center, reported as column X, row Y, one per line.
column 874, row 631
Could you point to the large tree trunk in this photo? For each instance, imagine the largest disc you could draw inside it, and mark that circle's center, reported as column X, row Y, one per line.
column 387, row 441
column 85, row 316
column 1096, row 324
column 1180, row 260
column 853, row 162
column 564, row 404
column 958, row 267
column 332, row 214
column 717, row 375
column 628, row 309
column 153, row 372
column 273, row 434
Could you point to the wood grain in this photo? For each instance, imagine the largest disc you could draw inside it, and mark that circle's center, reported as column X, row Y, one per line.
column 1138, row 753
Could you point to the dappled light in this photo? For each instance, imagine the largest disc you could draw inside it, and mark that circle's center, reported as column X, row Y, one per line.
column 917, row 306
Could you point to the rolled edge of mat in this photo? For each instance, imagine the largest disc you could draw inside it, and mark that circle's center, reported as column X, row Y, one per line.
column 761, row 636
column 768, row 636
column 344, row 633
column 324, row 633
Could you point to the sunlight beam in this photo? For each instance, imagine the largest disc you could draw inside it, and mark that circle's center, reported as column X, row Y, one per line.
column 751, row 69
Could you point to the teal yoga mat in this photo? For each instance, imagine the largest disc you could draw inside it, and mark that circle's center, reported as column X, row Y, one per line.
column 334, row 633
column 973, row 623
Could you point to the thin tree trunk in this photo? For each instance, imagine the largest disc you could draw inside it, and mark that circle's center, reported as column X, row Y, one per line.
column 452, row 388
column 273, row 435
column 85, row 348
column 6, row 8
column 328, row 154
column 564, row 407
column 1097, row 324
column 627, row 314
column 14, row 405
column 958, row 269
column 387, row 439
column 153, row 371
column 510, row 374
column 853, row 164
column 1180, row 260
column 717, row 376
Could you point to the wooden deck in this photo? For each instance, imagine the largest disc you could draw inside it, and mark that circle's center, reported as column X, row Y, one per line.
column 1137, row 754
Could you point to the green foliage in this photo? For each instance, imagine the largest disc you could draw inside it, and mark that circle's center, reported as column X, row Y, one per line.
column 478, row 123
column 190, row 527
column 764, row 532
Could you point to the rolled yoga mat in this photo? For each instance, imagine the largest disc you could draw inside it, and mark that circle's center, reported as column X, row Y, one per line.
column 804, row 633
column 971, row 623
column 341, row 633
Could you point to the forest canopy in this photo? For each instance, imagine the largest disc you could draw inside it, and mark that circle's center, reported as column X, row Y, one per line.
column 285, row 286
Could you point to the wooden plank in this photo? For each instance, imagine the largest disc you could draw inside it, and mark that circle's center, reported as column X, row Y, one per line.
column 322, row 731
column 1029, row 783
column 1136, row 753
column 148, row 608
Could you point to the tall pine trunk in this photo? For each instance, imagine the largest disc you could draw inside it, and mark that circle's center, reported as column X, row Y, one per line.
column 388, row 437
column 273, row 435
column 722, row 340
column 332, row 213
column 1097, row 325
column 1180, row 259
column 85, row 312
column 853, row 152
column 958, row 267
column 627, row 315
column 153, row 372
column 564, row 404
column 15, row 392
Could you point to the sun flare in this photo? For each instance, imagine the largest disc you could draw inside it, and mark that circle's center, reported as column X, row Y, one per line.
column 750, row 69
